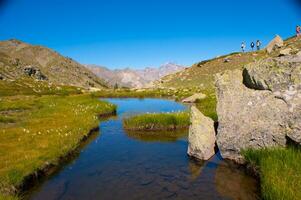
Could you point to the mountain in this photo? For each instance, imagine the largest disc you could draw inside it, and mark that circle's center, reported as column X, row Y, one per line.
column 134, row 78
column 19, row 60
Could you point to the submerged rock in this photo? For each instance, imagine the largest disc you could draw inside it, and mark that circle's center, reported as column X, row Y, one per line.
column 193, row 98
column 277, row 42
column 201, row 139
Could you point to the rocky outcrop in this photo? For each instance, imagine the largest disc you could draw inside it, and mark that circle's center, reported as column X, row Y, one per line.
column 201, row 139
column 285, row 52
column 277, row 42
column 258, row 108
column 272, row 74
column 34, row 72
column 193, row 98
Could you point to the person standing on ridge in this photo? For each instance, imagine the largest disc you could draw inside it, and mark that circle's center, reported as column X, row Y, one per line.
column 243, row 47
column 298, row 31
column 252, row 45
column 258, row 44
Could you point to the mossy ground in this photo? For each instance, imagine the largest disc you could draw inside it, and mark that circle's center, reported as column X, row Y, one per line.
column 279, row 171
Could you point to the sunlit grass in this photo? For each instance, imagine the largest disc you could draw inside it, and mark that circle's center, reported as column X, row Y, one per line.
column 279, row 170
column 157, row 121
column 44, row 129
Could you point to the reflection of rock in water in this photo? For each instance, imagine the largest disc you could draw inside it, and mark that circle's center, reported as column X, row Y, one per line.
column 158, row 136
column 195, row 168
column 233, row 183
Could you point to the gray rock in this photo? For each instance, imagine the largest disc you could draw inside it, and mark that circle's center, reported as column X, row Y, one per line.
column 272, row 74
column 193, row 98
column 285, row 52
column 34, row 72
column 247, row 118
column 277, row 42
column 201, row 139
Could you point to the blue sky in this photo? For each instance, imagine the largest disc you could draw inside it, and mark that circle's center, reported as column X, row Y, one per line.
column 141, row 33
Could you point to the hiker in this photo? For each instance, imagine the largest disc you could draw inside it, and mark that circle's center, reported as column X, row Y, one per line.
column 298, row 31
column 258, row 44
column 243, row 47
column 252, row 45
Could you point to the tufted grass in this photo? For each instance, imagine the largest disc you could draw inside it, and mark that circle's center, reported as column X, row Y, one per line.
column 157, row 121
column 279, row 170
column 44, row 130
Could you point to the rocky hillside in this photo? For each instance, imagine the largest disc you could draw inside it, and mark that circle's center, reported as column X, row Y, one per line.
column 21, row 60
column 201, row 75
column 134, row 78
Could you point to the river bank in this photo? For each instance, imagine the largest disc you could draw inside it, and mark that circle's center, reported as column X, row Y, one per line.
column 41, row 132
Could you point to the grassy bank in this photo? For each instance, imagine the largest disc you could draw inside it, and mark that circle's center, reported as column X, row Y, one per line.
column 157, row 121
column 38, row 131
column 279, row 170
column 145, row 93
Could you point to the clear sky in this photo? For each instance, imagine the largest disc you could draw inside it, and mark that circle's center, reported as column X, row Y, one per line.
column 140, row 33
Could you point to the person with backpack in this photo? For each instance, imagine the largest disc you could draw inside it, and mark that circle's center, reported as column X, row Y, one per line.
column 252, row 45
column 243, row 47
column 258, row 44
column 298, row 31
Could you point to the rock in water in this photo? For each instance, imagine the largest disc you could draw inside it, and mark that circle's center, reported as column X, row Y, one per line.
column 247, row 118
column 194, row 97
column 276, row 42
column 201, row 139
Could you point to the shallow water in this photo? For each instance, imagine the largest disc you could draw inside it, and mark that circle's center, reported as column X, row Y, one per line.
column 120, row 165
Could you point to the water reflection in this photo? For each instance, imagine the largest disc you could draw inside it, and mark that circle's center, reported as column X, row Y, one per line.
column 159, row 136
column 128, row 166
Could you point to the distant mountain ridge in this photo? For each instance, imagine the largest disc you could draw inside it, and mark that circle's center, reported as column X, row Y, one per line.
column 134, row 78
column 19, row 59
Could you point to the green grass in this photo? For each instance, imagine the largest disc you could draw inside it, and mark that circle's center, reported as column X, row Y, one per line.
column 208, row 105
column 28, row 86
column 279, row 171
column 147, row 93
column 157, row 121
column 44, row 130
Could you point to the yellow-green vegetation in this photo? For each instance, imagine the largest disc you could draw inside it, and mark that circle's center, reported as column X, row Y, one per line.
column 29, row 86
column 208, row 105
column 144, row 93
column 279, row 170
column 157, row 121
column 36, row 132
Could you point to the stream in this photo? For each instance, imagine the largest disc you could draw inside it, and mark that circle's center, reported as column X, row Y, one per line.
column 117, row 165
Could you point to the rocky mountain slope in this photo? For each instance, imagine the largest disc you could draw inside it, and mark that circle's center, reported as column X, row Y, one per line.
column 21, row 60
column 134, row 78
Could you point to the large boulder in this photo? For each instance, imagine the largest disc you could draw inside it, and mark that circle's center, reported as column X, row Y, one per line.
column 272, row 74
column 193, row 98
column 260, row 107
column 277, row 42
column 247, row 118
column 201, row 139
